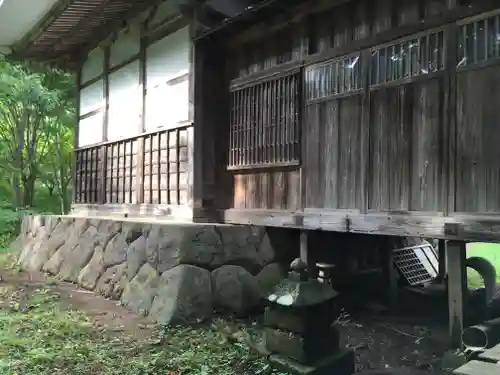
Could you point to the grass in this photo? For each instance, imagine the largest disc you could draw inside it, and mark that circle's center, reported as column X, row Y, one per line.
column 490, row 252
column 40, row 336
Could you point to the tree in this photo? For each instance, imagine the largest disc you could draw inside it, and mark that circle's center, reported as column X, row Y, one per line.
column 36, row 106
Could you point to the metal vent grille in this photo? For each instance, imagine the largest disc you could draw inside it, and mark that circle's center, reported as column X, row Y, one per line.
column 417, row 264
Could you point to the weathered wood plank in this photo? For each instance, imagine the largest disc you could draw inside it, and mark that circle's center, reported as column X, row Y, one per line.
column 349, row 189
column 267, row 189
column 457, row 289
column 151, row 211
column 427, row 143
column 478, row 170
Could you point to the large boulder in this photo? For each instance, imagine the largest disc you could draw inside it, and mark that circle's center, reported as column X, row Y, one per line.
column 139, row 293
column 208, row 246
column 63, row 254
column 184, row 296
column 91, row 273
column 49, row 246
column 246, row 246
column 235, row 290
column 79, row 256
column 116, row 249
column 29, row 254
column 136, row 256
column 169, row 246
column 270, row 276
column 113, row 281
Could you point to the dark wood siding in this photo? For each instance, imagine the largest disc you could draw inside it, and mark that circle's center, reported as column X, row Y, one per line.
column 406, row 147
column 267, row 189
column 478, row 140
column 332, row 148
column 396, row 114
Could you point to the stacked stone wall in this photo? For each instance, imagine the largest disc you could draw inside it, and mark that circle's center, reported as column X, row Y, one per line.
column 174, row 273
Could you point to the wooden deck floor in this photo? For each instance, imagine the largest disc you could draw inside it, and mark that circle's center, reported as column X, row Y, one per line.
column 487, row 363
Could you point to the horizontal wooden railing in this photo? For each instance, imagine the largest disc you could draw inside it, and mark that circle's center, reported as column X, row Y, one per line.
column 151, row 168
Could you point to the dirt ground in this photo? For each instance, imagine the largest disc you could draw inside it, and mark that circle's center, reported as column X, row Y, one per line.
column 379, row 342
column 104, row 313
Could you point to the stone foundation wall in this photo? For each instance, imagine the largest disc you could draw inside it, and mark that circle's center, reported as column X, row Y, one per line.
column 173, row 273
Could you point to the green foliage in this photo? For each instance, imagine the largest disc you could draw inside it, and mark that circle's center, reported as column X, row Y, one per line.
column 40, row 336
column 36, row 135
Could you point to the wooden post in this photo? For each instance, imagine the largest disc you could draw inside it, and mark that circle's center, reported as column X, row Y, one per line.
column 392, row 278
column 457, row 289
column 105, row 123
column 305, row 254
column 390, row 271
column 139, row 178
column 303, row 247
column 442, row 260
column 76, row 188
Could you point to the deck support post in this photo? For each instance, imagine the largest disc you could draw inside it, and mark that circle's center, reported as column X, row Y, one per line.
column 457, row 289
column 390, row 272
column 442, row 260
column 306, row 254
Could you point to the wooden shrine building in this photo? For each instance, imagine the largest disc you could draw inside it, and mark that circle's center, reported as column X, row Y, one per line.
column 361, row 116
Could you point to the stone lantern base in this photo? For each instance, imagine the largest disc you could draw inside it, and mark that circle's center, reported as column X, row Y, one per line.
column 339, row 363
column 299, row 327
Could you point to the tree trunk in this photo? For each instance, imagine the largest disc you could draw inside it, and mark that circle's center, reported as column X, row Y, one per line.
column 16, row 187
column 29, row 190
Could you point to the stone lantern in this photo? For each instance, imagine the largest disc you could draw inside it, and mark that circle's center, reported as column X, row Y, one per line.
column 299, row 328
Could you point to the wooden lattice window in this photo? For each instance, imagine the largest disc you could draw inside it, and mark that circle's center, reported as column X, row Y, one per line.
column 264, row 127
column 332, row 78
column 121, row 169
column 478, row 41
column 88, row 176
column 413, row 57
column 166, row 166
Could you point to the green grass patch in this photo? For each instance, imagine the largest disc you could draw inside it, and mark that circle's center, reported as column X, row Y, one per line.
column 488, row 251
column 41, row 337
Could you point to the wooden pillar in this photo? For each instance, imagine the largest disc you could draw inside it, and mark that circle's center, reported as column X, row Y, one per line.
column 306, row 254
column 392, row 278
column 304, row 247
column 457, row 289
column 390, row 271
column 198, row 191
column 105, row 122
column 442, row 260
column 139, row 189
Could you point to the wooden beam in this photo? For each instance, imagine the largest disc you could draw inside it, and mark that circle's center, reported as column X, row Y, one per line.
column 191, row 115
column 78, row 79
column 472, row 227
column 306, row 254
column 41, row 26
column 142, row 125
column 450, row 121
column 457, row 289
column 153, row 212
column 442, row 259
column 105, row 122
column 391, row 274
column 199, row 58
column 365, row 131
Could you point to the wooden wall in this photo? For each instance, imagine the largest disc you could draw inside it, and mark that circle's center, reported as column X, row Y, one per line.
column 108, row 173
column 477, row 116
column 135, row 122
column 397, row 109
